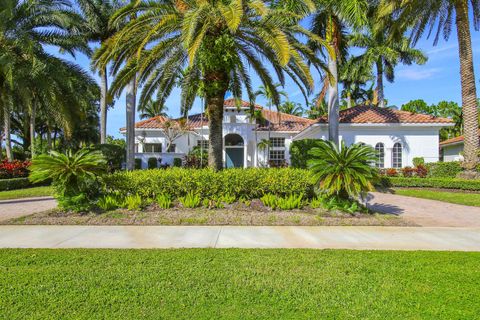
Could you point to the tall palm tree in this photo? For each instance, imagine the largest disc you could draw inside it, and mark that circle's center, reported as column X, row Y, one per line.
column 330, row 22
column 152, row 108
column 290, row 107
column 384, row 52
column 354, row 76
column 214, row 41
column 96, row 28
column 437, row 17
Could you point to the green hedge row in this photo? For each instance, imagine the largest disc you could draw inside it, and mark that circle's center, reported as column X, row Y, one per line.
column 443, row 169
column 443, row 183
column 14, row 183
column 242, row 183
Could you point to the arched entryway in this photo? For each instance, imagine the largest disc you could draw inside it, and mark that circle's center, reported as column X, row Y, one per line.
column 234, row 151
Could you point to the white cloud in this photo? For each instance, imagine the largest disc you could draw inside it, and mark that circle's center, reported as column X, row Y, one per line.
column 413, row 73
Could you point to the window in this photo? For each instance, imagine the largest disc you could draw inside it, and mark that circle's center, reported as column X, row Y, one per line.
column 277, row 142
column 397, row 155
column 203, row 144
column 172, row 148
column 277, row 157
column 152, row 147
column 380, row 161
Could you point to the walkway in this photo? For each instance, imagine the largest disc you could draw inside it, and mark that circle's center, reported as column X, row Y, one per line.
column 424, row 212
column 361, row 238
column 16, row 208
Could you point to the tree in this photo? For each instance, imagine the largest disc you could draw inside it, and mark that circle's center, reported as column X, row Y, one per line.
column 417, row 106
column 214, row 41
column 354, row 76
column 330, row 22
column 384, row 52
column 290, row 107
column 437, row 17
column 96, row 28
column 174, row 129
column 152, row 108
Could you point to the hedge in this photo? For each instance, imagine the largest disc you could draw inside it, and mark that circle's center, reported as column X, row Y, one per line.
column 15, row 183
column 242, row 183
column 444, row 169
column 442, row 183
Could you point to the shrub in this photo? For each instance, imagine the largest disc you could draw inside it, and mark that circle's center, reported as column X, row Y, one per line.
column 227, row 198
column 190, row 200
column 164, row 201
column 114, row 154
column 133, row 202
column 299, row 150
column 14, row 169
column 337, row 204
column 76, row 177
column 152, row 163
column 444, row 169
column 418, row 161
column 408, row 172
column 197, row 158
column 15, row 183
column 269, row 200
column 249, row 183
column 177, row 162
column 290, row 202
column 421, row 171
column 343, row 171
column 441, row 183
column 138, row 164
column 391, row 172
column 107, row 203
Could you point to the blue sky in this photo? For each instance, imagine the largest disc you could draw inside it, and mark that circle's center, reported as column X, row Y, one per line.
column 434, row 81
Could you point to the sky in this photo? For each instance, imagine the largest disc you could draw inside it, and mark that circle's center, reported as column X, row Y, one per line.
column 435, row 81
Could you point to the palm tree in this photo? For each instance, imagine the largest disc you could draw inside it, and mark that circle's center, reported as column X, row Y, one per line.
column 384, row 52
column 428, row 15
column 152, row 108
column 330, row 22
column 96, row 28
column 290, row 107
column 214, row 41
column 354, row 76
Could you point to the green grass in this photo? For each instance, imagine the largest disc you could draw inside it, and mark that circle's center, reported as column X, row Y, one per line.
column 26, row 193
column 468, row 199
column 238, row 284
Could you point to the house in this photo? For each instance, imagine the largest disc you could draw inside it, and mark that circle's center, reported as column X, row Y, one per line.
column 398, row 136
column 452, row 149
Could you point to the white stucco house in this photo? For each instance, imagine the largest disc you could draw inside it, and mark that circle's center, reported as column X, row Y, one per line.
column 398, row 136
column 452, row 149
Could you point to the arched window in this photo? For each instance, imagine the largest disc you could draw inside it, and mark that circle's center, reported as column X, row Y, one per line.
column 397, row 155
column 380, row 149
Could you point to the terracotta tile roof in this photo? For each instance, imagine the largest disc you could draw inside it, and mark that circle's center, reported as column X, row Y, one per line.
column 369, row 114
column 455, row 140
column 279, row 121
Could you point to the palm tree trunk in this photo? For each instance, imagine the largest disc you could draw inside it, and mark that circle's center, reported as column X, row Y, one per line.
column 49, row 138
column 469, row 93
column 349, row 100
column 333, row 104
column 380, row 94
column 103, row 105
column 6, row 128
column 33, row 114
column 215, row 101
column 130, row 119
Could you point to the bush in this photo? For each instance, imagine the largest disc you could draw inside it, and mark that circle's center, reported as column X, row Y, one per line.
column 248, row 184
column 408, row 172
column 299, row 152
column 391, row 172
column 133, row 202
column 14, row 169
column 444, row 169
column 338, row 204
column 164, row 201
column 107, row 203
column 442, row 183
column 114, row 154
column 152, row 163
column 190, row 200
column 418, row 161
column 421, row 171
column 138, row 164
column 15, row 183
column 177, row 162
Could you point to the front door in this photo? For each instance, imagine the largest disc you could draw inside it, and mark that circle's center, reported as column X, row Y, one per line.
column 234, row 157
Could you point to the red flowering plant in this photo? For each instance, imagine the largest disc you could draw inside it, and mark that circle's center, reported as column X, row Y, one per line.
column 14, row 169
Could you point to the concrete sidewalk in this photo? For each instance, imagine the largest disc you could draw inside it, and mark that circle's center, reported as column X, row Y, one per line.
column 362, row 238
column 16, row 208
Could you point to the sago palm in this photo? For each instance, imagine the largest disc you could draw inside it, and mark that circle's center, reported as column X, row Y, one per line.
column 343, row 171
column 214, row 42
column 437, row 17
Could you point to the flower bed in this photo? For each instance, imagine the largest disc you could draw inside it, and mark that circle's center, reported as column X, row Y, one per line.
column 14, row 169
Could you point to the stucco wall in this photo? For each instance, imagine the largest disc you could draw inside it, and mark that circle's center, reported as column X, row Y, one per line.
column 452, row 152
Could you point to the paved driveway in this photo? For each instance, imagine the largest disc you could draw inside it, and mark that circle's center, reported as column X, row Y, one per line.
column 424, row 212
column 23, row 207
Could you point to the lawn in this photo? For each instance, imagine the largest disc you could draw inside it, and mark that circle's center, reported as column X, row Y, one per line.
column 468, row 199
column 26, row 193
column 238, row 284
